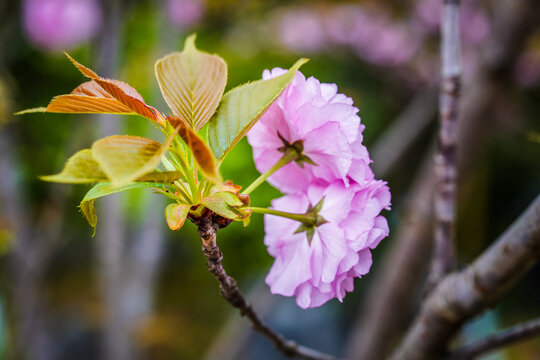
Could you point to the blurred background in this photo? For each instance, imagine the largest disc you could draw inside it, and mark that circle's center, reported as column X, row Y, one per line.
column 140, row 291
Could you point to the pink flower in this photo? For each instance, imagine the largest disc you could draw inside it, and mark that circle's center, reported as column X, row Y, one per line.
column 61, row 24
column 324, row 121
column 321, row 261
column 318, row 270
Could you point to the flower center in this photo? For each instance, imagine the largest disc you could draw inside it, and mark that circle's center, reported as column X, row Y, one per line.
column 296, row 148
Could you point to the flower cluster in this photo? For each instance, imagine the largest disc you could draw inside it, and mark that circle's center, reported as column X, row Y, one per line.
column 332, row 169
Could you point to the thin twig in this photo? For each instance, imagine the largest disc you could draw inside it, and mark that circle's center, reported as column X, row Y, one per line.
column 445, row 158
column 460, row 296
column 207, row 230
column 520, row 332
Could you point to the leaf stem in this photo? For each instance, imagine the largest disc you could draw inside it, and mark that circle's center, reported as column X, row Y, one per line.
column 303, row 218
column 287, row 158
column 179, row 162
column 182, row 191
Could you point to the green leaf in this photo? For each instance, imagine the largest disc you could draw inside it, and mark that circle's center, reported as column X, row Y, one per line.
column 103, row 189
column 223, row 203
column 240, row 109
column 126, row 158
column 175, row 215
column 89, row 211
column 31, row 111
column 168, row 164
column 192, row 83
column 81, row 168
column 165, row 177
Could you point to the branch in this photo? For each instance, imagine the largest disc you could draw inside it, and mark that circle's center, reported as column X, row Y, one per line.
column 463, row 295
column 445, row 158
column 403, row 132
column 233, row 336
column 391, row 293
column 207, row 230
column 506, row 337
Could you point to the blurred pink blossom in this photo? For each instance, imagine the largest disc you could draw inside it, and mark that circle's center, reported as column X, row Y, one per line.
column 371, row 34
column 318, row 270
column 323, row 120
column 185, row 13
column 301, row 30
column 388, row 44
column 61, row 24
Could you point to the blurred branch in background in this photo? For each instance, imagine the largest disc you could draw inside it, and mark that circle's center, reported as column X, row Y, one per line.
column 128, row 268
column 404, row 131
column 393, row 295
column 34, row 236
column 460, row 296
column 28, row 261
column 521, row 332
column 446, row 173
column 111, row 232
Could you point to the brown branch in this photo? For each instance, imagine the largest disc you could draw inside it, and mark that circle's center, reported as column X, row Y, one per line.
column 445, row 158
column 460, row 296
column 207, row 230
column 234, row 337
column 506, row 337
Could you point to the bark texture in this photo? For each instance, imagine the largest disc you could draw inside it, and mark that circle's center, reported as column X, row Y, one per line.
column 460, row 296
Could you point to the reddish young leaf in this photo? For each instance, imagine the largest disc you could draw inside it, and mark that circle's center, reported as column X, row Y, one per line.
column 89, row 97
column 83, row 69
column 91, row 88
column 202, row 154
column 120, row 91
column 86, row 104
column 129, row 97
